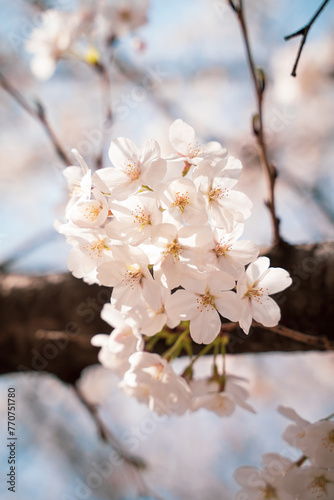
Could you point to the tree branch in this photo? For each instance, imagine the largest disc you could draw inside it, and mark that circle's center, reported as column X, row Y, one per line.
column 136, row 463
column 303, row 32
column 39, row 114
column 47, row 321
column 107, row 436
column 103, row 72
column 258, row 78
column 312, row 340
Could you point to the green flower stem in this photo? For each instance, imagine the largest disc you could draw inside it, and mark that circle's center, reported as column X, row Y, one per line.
column 224, row 341
column 215, row 354
column 178, row 345
column 153, row 340
column 145, row 188
column 188, row 347
column 204, row 351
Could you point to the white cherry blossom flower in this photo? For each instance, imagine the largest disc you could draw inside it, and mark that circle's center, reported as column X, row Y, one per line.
column 167, row 263
column 117, row 347
column 182, row 138
column 174, row 251
column 208, row 394
column 49, row 41
column 310, row 483
column 152, row 380
column 90, row 213
column 295, row 433
column 254, row 288
column 275, row 466
column 94, row 384
column 259, row 485
column 90, row 249
column 133, row 167
column 79, row 179
column 226, row 253
column 129, row 274
column 318, row 443
column 182, row 203
column 237, row 392
column 225, row 206
column 151, row 320
column 116, row 18
column 134, row 219
column 201, row 302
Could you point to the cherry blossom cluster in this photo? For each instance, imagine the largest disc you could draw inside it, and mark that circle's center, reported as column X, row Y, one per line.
column 164, row 234
column 311, row 477
column 84, row 33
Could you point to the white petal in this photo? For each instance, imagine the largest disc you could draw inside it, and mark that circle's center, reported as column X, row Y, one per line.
column 99, row 340
column 181, row 136
column 112, row 316
column 213, row 148
column 43, row 66
column 243, row 251
column 291, row 414
column 153, row 172
column 205, row 327
column 111, row 273
column 149, row 151
column 245, row 320
column 181, row 304
column 228, row 305
column 266, row 312
column 195, row 236
column 276, row 280
column 195, row 213
column 230, row 169
column 249, row 477
column 238, row 202
column 256, row 269
column 121, row 151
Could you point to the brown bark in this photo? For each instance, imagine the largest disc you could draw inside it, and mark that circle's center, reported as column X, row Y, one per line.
column 47, row 321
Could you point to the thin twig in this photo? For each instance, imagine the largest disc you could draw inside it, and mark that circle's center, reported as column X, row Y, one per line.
column 228, row 327
column 258, row 79
column 107, row 436
column 299, row 336
column 38, row 113
column 144, row 490
column 104, row 73
column 303, row 32
column 136, row 464
column 26, row 248
column 301, row 460
column 329, row 417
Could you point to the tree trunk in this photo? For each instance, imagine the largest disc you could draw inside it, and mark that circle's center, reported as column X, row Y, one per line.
column 47, row 321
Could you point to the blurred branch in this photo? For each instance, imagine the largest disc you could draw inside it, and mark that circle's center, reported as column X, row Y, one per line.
column 106, row 83
column 313, row 194
column 303, row 32
column 37, row 112
column 26, row 248
column 312, row 340
column 136, row 463
column 146, row 81
column 107, row 436
column 258, row 78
